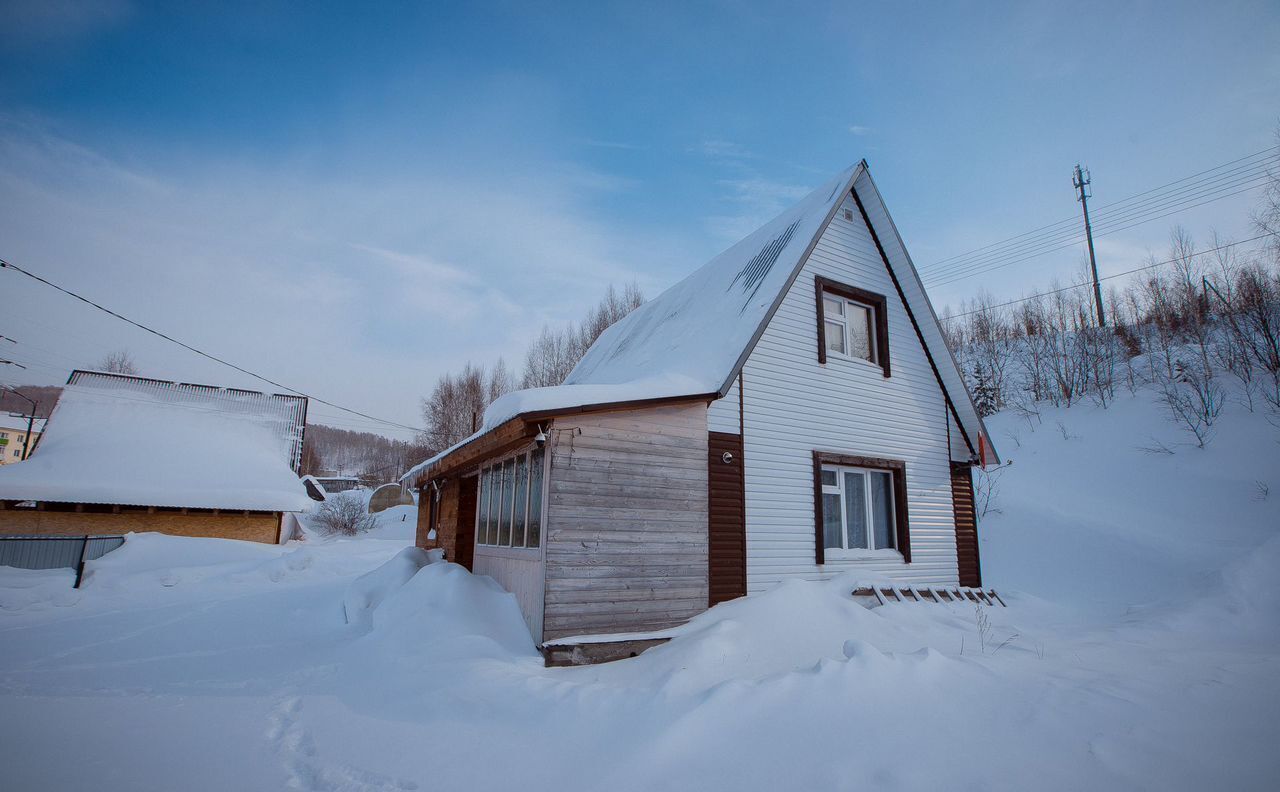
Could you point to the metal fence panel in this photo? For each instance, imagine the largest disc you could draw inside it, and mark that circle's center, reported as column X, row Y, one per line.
column 54, row 552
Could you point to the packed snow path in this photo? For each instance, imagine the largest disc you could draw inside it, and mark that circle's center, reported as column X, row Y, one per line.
column 1140, row 650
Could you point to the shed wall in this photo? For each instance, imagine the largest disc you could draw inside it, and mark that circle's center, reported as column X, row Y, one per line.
column 225, row 525
column 626, row 541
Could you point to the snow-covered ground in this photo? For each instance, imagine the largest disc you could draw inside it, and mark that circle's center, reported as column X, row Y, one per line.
column 1139, row 651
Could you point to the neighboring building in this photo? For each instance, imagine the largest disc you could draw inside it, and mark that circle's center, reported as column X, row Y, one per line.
column 124, row 453
column 788, row 411
column 13, row 437
column 338, row 483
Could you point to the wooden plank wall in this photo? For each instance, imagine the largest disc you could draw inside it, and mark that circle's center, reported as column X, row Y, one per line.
column 626, row 545
column 253, row 527
column 446, row 521
column 966, row 525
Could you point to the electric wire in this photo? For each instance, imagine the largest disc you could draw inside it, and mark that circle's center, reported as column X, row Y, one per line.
column 9, row 265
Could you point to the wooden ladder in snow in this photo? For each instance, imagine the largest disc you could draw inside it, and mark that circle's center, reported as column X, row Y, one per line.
column 884, row 594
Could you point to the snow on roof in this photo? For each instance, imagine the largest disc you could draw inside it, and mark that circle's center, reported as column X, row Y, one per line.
column 285, row 413
column 152, row 446
column 696, row 332
column 691, row 339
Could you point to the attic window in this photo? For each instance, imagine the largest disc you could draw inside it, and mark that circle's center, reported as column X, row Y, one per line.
column 852, row 324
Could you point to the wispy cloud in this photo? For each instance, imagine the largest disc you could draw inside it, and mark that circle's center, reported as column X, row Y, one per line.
column 723, row 149
column 859, row 130
column 611, row 144
column 401, row 278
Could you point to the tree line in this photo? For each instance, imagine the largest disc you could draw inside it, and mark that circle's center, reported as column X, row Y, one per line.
column 1190, row 323
column 455, row 407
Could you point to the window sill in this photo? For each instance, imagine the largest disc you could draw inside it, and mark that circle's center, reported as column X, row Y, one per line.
column 519, row 553
column 835, row 554
column 836, row 356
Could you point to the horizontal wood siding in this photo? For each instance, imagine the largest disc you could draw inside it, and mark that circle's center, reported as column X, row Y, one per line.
column 966, row 525
column 794, row 406
column 626, row 533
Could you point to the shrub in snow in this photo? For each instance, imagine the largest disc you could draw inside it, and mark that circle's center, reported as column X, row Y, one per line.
column 345, row 514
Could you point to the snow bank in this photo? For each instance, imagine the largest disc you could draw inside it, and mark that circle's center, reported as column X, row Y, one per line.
column 369, row 590
column 445, row 613
column 36, row 588
column 148, row 561
column 1094, row 516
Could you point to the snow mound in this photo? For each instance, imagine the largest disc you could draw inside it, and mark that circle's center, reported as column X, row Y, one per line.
column 446, row 613
column 22, row 589
column 788, row 629
column 367, row 592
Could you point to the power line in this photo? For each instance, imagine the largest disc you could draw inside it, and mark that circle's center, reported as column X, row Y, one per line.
column 1153, row 209
column 1267, row 154
column 1038, row 295
column 8, row 265
column 1108, row 231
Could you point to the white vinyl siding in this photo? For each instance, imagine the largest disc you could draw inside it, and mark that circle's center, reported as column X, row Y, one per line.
column 795, row 406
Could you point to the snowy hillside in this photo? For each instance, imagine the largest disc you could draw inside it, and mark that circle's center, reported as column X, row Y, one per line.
column 1141, row 650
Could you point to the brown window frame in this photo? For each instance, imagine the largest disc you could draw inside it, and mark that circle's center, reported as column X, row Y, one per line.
column 896, row 468
column 880, row 316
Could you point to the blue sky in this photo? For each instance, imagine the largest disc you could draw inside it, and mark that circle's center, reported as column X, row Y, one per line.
column 358, row 198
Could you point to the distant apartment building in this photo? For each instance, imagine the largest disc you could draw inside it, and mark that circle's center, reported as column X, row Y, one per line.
column 14, row 440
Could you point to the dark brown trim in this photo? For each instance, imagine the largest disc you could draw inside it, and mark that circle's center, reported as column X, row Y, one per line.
column 866, row 219
column 964, row 510
column 895, row 466
column 820, row 544
column 726, row 519
column 879, row 309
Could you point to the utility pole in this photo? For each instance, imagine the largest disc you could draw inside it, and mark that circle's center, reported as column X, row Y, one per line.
column 1080, row 180
column 31, row 419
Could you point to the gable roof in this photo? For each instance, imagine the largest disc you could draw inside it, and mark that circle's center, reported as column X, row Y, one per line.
column 693, row 339
column 132, row 441
column 700, row 330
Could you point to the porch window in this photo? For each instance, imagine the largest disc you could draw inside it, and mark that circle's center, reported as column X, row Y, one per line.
column 852, row 324
column 509, row 507
column 861, row 506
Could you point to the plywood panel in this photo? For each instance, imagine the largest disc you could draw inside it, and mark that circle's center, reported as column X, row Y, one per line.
column 251, row 527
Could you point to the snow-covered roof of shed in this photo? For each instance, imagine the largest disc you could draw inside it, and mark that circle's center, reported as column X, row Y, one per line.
column 133, row 447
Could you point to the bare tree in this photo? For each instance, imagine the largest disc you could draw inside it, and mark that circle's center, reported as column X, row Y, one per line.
column 119, row 362
column 550, row 358
column 554, row 353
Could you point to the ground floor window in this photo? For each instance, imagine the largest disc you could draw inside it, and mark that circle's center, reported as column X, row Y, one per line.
column 861, row 506
column 509, row 509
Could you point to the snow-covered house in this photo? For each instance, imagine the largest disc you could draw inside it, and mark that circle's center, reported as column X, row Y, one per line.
column 123, row 453
column 789, row 410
